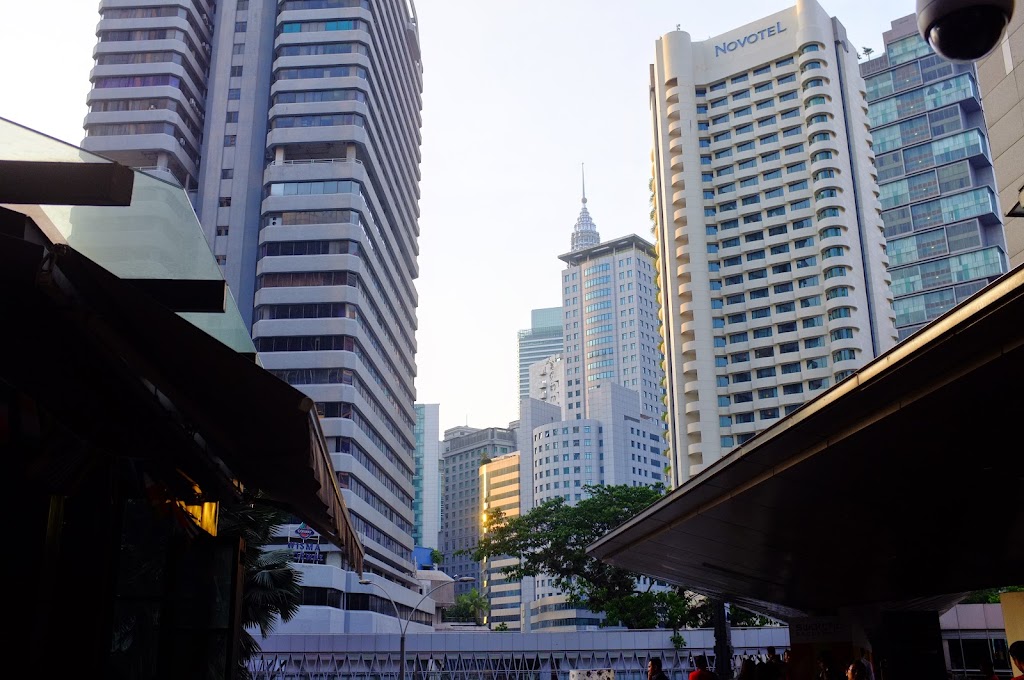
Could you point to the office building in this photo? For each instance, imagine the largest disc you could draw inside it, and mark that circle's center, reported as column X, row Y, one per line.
column 464, row 450
column 541, row 340
column 547, row 380
column 610, row 311
column 944, row 235
column 1004, row 112
column 295, row 127
column 499, row 490
column 771, row 254
column 426, row 505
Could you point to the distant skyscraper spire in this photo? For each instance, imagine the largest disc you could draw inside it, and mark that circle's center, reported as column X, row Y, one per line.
column 584, row 234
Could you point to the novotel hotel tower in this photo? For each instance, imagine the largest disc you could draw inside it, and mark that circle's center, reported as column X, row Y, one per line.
column 771, row 254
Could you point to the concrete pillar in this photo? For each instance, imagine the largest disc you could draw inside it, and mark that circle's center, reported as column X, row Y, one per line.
column 161, row 160
column 278, row 154
column 723, row 640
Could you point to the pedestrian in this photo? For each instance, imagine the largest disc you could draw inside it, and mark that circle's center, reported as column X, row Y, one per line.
column 702, row 672
column 748, row 670
column 826, row 667
column 855, row 670
column 988, row 672
column 1017, row 654
column 772, row 667
column 654, row 671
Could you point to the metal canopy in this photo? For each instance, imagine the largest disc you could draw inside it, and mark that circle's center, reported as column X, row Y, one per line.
column 898, row 487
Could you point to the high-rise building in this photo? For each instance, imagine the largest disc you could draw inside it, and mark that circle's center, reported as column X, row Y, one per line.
column 610, row 310
column 944, row 235
column 465, row 449
column 295, row 126
column 541, row 340
column 771, row 255
column 426, row 505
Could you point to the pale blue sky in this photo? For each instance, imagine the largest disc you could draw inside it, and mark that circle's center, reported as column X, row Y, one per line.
column 516, row 96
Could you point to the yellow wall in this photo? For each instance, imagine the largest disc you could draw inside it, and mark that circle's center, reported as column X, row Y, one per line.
column 1013, row 616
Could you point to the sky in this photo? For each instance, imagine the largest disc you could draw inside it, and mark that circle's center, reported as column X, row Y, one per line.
column 517, row 95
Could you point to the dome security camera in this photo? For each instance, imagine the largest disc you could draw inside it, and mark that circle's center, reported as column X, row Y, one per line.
column 963, row 30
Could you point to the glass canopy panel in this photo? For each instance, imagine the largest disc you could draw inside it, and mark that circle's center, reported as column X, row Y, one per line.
column 158, row 236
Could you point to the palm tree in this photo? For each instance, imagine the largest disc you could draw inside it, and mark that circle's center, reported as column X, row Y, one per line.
column 476, row 603
column 272, row 588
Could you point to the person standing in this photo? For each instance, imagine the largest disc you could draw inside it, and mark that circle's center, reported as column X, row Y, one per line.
column 702, row 672
column 1017, row 654
column 654, row 670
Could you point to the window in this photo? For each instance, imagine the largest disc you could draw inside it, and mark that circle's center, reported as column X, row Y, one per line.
column 745, row 146
column 844, row 355
column 789, row 369
column 736, row 338
column 762, row 70
column 240, row 26
column 763, row 87
column 832, row 272
column 841, row 334
column 743, row 94
column 765, row 122
column 768, row 392
column 762, row 332
column 758, row 293
column 739, row 358
column 753, row 237
column 749, row 181
column 783, row 287
column 734, row 280
column 234, row 93
column 777, row 231
column 236, row 71
column 238, row 48
column 229, row 140
column 227, row 173
column 744, row 129
column 224, row 202
column 839, row 313
column 793, row 388
column 837, row 292
column 760, row 313
column 773, row 193
column 834, row 251
column 812, row 301
column 807, row 282
column 779, row 249
column 768, row 413
column 830, row 232
column 231, row 117
column 812, row 343
column 764, row 353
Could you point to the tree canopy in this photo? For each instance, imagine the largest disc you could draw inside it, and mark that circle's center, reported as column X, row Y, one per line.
column 552, row 540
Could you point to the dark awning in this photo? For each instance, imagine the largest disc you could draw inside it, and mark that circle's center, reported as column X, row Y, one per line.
column 900, row 486
column 100, row 352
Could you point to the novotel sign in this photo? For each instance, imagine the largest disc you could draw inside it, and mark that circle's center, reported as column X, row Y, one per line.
column 764, row 33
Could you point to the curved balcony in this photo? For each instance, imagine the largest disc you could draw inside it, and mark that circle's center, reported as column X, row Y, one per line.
column 679, row 199
column 678, row 180
column 691, row 387
column 682, row 235
column 825, row 182
column 824, row 162
column 823, row 202
column 830, row 144
column 819, row 55
column 836, row 302
column 674, row 110
column 695, row 450
column 693, row 428
column 675, row 144
column 675, row 160
column 672, row 94
column 826, row 126
column 691, row 367
column 814, row 109
column 675, row 126
column 679, row 215
column 692, row 407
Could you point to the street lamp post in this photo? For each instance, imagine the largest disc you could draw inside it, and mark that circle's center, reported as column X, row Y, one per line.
column 403, row 627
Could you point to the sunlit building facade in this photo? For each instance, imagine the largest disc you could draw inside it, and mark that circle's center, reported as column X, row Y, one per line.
column 772, row 272
column 499, row 490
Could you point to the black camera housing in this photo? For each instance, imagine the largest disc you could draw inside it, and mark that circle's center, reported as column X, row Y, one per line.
column 963, row 30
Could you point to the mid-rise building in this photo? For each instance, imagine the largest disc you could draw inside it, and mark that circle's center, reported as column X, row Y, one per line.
column 295, row 127
column 499, row 490
column 426, row 505
column 465, row 449
column 541, row 340
column 772, row 270
column 943, row 230
column 547, row 380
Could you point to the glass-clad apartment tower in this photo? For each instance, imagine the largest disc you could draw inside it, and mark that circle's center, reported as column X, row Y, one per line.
column 944, row 235
column 771, row 259
column 295, row 125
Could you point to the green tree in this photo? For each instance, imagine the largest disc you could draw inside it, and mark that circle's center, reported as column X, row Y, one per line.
column 990, row 595
column 272, row 589
column 436, row 556
column 468, row 607
column 552, row 539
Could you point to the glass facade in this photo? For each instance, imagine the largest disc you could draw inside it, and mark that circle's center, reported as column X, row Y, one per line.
column 944, row 234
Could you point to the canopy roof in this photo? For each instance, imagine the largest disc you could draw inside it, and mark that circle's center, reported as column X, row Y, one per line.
column 899, row 487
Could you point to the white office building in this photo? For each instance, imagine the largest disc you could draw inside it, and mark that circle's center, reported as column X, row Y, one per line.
column 295, row 127
column 772, row 264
